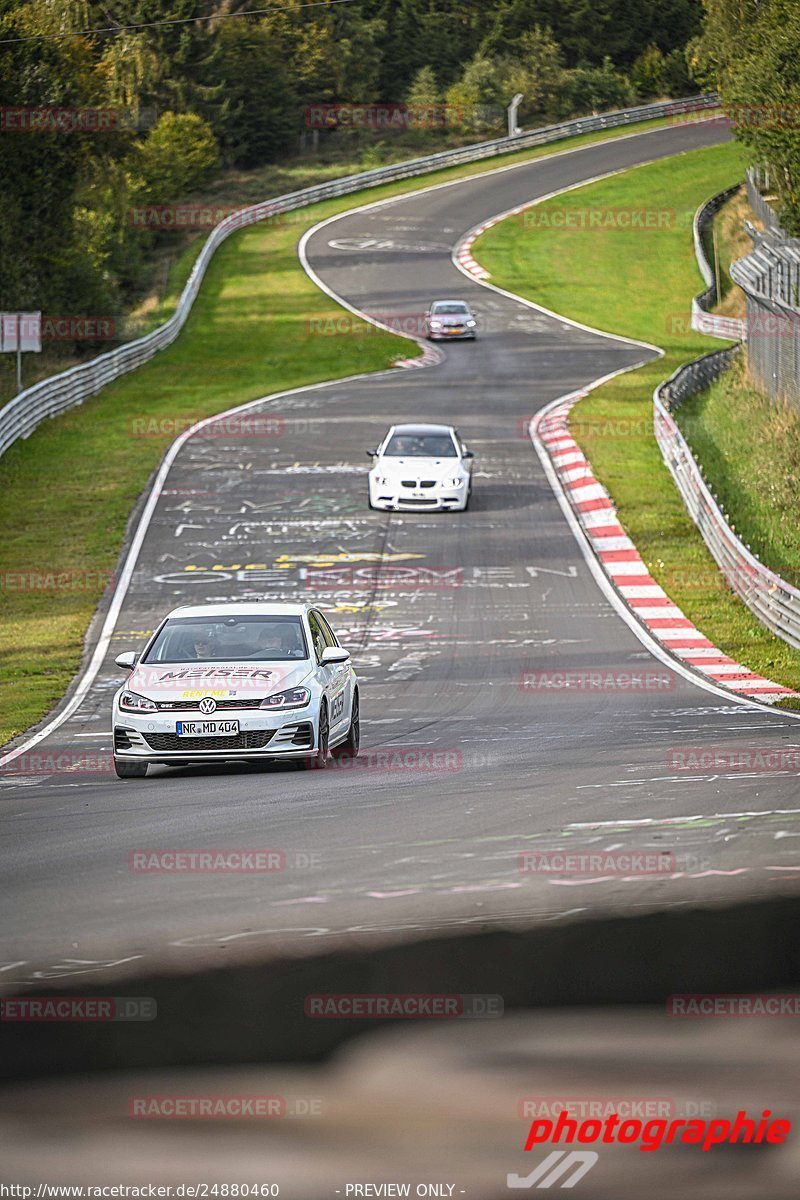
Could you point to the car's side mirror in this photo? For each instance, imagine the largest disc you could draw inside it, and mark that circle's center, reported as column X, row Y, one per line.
column 372, row 454
column 334, row 654
column 468, row 454
column 127, row 661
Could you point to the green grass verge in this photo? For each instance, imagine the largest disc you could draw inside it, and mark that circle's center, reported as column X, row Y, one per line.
column 727, row 231
column 639, row 283
column 750, row 447
column 67, row 492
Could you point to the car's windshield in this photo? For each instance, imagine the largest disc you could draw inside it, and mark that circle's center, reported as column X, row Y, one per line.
column 229, row 639
column 450, row 306
column 421, row 445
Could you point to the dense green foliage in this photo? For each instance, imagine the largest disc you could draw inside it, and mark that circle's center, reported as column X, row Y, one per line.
column 185, row 88
column 750, row 52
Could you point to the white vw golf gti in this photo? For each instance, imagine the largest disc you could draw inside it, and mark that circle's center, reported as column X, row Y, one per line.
column 421, row 467
column 244, row 682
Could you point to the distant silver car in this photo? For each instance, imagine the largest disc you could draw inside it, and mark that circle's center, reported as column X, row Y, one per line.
column 450, row 320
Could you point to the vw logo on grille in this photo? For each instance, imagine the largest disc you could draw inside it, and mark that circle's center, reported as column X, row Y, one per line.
column 208, row 705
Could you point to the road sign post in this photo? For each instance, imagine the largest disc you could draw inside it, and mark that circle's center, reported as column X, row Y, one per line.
column 20, row 331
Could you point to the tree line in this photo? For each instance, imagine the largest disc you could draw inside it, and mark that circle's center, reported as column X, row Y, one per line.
column 164, row 94
column 749, row 51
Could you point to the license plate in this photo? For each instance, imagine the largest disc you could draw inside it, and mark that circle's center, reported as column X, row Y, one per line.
column 456, row 329
column 206, row 728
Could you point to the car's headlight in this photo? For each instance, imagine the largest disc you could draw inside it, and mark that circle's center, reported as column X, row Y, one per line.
column 453, row 481
column 381, row 480
column 292, row 698
column 436, row 324
column 471, row 324
column 133, row 702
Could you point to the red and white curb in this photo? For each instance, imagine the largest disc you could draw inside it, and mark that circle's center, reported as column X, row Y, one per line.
column 627, row 571
column 463, row 252
column 430, row 357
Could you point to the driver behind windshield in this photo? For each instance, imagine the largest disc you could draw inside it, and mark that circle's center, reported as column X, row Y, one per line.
column 274, row 640
column 204, row 646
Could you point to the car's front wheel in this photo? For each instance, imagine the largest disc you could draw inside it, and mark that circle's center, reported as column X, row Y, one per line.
column 319, row 759
column 129, row 770
column 348, row 749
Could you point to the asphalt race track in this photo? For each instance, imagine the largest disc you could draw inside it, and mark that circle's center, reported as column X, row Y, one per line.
column 490, row 769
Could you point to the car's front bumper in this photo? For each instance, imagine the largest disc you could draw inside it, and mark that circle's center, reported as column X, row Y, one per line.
column 396, row 499
column 152, row 738
column 448, row 335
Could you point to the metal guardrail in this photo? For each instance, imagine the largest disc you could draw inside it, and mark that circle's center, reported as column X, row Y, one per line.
column 60, row 392
column 774, row 602
column 758, row 177
column 770, row 278
column 704, row 321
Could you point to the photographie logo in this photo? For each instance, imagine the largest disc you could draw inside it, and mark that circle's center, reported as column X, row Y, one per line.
column 650, row 1134
column 401, row 1006
column 597, row 680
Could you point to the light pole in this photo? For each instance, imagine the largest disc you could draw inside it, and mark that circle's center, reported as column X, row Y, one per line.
column 513, row 108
